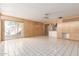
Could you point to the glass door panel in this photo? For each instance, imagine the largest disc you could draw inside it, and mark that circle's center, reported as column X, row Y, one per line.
column 13, row 29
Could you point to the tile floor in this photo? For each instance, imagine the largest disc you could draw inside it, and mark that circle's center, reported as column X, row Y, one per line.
column 39, row 46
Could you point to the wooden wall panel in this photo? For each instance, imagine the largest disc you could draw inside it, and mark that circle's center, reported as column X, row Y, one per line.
column 28, row 28
column 59, row 31
column 70, row 27
column 33, row 28
column 69, row 20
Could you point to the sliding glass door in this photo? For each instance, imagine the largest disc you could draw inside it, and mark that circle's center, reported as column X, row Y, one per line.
column 13, row 29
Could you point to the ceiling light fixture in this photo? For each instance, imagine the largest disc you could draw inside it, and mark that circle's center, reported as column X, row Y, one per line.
column 60, row 17
column 46, row 16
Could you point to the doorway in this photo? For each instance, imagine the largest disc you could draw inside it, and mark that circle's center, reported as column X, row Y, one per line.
column 46, row 29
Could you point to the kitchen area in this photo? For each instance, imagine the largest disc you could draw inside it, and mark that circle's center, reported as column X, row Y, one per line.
column 57, row 29
column 51, row 30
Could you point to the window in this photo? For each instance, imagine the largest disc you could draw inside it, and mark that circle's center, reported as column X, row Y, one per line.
column 13, row 29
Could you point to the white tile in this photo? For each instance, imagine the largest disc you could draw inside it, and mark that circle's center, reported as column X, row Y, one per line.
column 39, row 46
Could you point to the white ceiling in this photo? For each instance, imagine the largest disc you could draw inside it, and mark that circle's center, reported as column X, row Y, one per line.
column 36, row 11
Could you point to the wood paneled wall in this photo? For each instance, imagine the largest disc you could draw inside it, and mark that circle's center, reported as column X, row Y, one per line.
column 70, row 26
column 31, row 28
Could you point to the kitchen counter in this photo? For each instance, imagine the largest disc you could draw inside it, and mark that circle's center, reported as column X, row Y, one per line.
column 52, row 33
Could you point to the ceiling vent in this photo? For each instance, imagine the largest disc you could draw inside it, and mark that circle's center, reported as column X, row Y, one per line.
column 46, row 16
